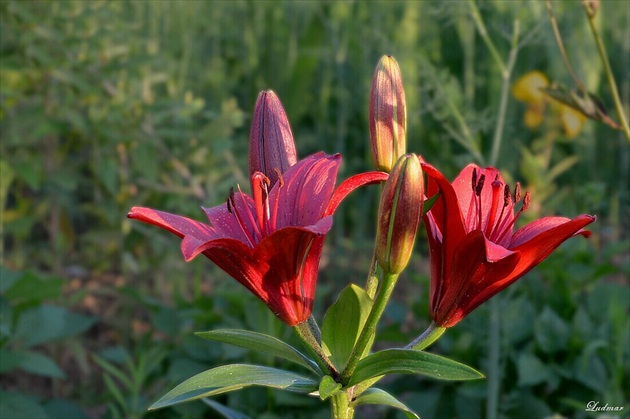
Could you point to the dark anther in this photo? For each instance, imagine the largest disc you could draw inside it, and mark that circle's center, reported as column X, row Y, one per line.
column 526, row 200
column 474, row 180
column 479, row 186
column 506, row 196
column 517, row 192
column 279, row 173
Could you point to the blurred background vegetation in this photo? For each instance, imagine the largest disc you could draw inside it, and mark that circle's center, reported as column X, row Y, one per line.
column 105, row 105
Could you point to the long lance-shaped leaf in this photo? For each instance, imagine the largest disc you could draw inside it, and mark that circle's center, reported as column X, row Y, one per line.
column 378, row 396
column 407, row 361
column 235, row 377
column 260, row 342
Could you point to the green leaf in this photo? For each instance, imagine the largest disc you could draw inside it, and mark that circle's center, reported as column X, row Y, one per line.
column 260, row 342
column 8, row 278
column 224, row 411
column 47, row 323
column 235, row 377
column 328, row 387
column 33, row 288
column 343, row 323
column 428, row 203
column 20, row 405
column 378, row 396
column 407, row 361
column 64, row 408
column 32, row 362
column 531, row 370
column 6, row 178
column 551, row 331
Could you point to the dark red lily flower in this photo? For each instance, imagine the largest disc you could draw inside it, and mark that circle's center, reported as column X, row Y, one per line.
column 270, row 243
column 475, row 252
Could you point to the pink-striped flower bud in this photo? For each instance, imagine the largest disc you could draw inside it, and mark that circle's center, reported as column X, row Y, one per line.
column 387, row 114
column 399, row 214
column 271, row 145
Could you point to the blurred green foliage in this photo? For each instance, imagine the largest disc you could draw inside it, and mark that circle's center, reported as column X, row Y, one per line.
column 105, row 105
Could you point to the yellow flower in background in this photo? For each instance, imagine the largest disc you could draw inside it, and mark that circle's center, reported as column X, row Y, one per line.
column 527, row 89
column 533, row 116
column 572, row 121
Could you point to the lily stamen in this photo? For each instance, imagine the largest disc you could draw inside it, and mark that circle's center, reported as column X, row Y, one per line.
column 524, row 206
column 234, row 210
column 260, row 185
column 274, row 216
column 477, row 198
column 507, row 199
column 472, row 207
column 496, row 186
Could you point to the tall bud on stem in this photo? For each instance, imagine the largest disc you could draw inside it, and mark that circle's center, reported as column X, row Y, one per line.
column 399, row 214
column 271, row 145
column 387, row 114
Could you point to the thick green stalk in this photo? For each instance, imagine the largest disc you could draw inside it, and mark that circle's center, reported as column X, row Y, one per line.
column 305, row 333
column 427, row 337
column 341, row 408
column 384, row 293
column 609, row 74
column 371, row 285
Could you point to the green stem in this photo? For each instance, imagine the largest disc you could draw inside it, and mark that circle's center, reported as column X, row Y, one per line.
column 429, row 336
column 341, row 408
column 563, row 52
column 317, row 334
column 506, row 74
column 481, row 27
column 384, row 293
column 468, row 141
column 371, row 285
column 305, row 333
column 494, row 356
column 609, row 74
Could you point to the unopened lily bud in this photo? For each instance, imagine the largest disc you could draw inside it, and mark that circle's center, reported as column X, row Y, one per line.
column 387, row 114
column 399, row 214
column 271, row 145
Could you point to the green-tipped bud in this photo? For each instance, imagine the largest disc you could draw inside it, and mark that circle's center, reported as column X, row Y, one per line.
column 271, row 145
column 399, row 214
column 388, row 114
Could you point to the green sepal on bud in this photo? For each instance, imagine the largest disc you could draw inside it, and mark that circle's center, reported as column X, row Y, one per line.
column 271, row 144
column 399, row 214
column 387, row 114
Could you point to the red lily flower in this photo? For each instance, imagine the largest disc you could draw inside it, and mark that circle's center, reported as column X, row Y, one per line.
column 270, row 243
column 474, row 250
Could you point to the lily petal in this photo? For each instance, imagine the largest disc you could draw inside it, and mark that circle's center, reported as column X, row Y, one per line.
column 176, row 224
column 535, row 228
column 281, row 270
column 352, row 183
column 446, row 209
column 308, row 185
column 477, row 262
column 227, row 225
column 463, row 189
